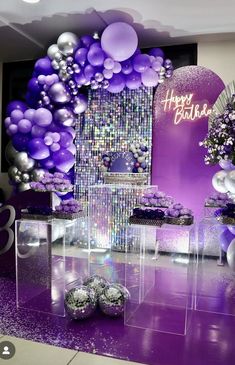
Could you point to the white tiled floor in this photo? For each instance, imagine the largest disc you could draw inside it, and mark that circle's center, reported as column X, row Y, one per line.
column 28, row 353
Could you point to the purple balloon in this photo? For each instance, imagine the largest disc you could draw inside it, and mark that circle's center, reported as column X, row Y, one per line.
column 16, row 116
column 63, row 160
column 81, row 56
column 42, row 117
column 55, row 147
column 38, row 131
column 12, row 129
column 231, row 229
column 149, row 78
column 80, row 104
column 43, row 67
column 24, row 126
column 109, row 63
column 119, row 40
column 108, row 74
column 16, row 104
column 226, row 164
column 89, row 72
column 141, row 62
column 48, row 163
column 95, row 56
column 156, row 52
column 7, row 122
column 56, row 137
column 72, row 149
column 87, row 40
column 133, row 80
column 71, row 131
column 116, row 84
column 29, row 114
column 65, row 139
column 48, row 140
column 80, row 78
column 64, row 116
column 127, row 67
column 20, row 141
column 225, row 239
column 37, row 149
column 59, row 93
column 34, row 87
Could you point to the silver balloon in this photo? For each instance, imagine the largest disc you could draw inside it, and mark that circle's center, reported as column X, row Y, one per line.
column 230, row 181
column 80, row 302
column 25, row 177
column 37, row 174
column 218, row 181
column 231, row 255
column 23, row 162
column 67, row 43
column 63, row 75
column 10, row 153
column 12, row 172
column 59, row 94
column 52, row 51
column 55, row 65
column 65, row 116
column 112, row 300
column 23, row 187
column 96, row 282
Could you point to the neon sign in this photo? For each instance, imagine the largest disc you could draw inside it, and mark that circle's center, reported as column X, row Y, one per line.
column 184, row 108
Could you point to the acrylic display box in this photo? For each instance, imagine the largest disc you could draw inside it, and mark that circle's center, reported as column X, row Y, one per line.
column 49, row 260
column 161, row 283
column 215, row 288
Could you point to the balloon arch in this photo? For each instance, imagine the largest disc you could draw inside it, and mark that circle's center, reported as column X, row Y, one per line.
column 42, row 129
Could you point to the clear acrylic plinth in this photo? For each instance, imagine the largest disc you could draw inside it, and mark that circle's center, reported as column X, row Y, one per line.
column 215, row 286
column 49, row 261
column 161, row 283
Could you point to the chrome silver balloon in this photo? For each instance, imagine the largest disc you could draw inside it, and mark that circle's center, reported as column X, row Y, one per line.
column 65, row 116
column 80, row 302
column 23, row 187
column 37, row 174
column 59, row 94
column 10, row 153
column 218, row 181
column 52, row 51
column 231, row 255
column 55, row 65
column 12, row 172
column 25, row 177
column 67, row 43
column 230, row 181
column 23, row 162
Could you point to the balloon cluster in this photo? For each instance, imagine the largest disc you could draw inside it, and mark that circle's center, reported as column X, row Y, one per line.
column 81, row 301
column 224, row 182
column 140, row 153
column 43, row 128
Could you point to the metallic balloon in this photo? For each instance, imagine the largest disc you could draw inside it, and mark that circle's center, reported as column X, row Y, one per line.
column 80, row 302
column 37, row 174
column 231, row 255
column 55, row 65
column 12, row 172
column 25, row 177
column 218, row 181
column 52, row 51
column 23, row 162
column 67, row 43
column 230, row 181
column 112, row 300
column 23, row 187
column 65, row 116
column 96, row 282
column 59, row 94
column 10, row 153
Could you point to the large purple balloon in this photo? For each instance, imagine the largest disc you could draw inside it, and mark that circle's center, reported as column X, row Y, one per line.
column 43, row 67
column 225, row 239
column 37, row 149
column 48, row 163
column 116, row 84
column 80, row 78
column 87, row 40
column 81, row 56
column 59, row 93
column 16, row 104
column 119, row 40
column 80, row 104
column 42, row 117
column 149, row 78
column 34, row 87
column 133, row 80
column 96, row 56
column 63, row 160
column 141, row 62
column 24, row 126
column 20, row 141
column 65, row 139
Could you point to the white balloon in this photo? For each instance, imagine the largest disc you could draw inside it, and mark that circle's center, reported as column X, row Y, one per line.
column 231, row 255
column 218, row 181
column 52, row 50
column 230, row 181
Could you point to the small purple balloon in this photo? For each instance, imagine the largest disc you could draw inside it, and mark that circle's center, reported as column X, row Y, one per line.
column 232, row 229
column 141, row 62
column 65, row 139
column 80, row 79
column 48, row 140
column 16, row 104
column 37, row 149
column 24, row 126
column 127, row 67
column 87, row 40
column 133, row 80
column 12, row 129
column 116, row 83
column 37, row 131
column 63, row 160
column 56, row 137
column 29, row 114
column 42, row 117
column 96, row 56
column 157, row 52
column 55, row 147
column 81, row 56
column 43, row 67
column 16, row 116
column 109, row 63
column 7, row 122
column 89, row 72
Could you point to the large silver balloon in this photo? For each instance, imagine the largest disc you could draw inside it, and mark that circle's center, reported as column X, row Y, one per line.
column 12, row 172
column 23, row 162
column 59, row 94
column 80, row 302
column 67, row 43
column 80, row 104
column 230, row 181
column 23, row 187
column 112, row 300
column 231, row 255
column 52, row 51
column 65, row 117
column 10, row 153
column 96, row 282
column 218, row 181
column 37, row 174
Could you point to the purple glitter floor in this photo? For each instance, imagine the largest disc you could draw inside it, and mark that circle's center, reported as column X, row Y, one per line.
column 209, row 340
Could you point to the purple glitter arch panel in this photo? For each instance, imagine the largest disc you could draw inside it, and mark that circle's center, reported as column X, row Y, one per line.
column 182, row 106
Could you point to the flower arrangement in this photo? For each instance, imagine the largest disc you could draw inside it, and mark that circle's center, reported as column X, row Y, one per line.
column 52, row 182
column 155, row 198
column 217, row 200
column 220, row 139
column 178, row 211
column 69, row 206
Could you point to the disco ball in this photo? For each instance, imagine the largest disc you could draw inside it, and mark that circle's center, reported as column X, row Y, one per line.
column 80, row 302
column 112, row 299
column 96, row 282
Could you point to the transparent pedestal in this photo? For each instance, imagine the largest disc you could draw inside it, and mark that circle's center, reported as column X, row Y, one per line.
column 161, row 283
column 215, row 288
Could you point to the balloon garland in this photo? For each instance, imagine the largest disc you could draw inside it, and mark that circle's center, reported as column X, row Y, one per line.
column 42, row 129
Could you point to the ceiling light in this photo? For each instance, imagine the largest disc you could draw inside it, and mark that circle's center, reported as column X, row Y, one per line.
column 31, row 1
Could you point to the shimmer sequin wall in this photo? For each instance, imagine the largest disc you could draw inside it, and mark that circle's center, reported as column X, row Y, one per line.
column 110, row 124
